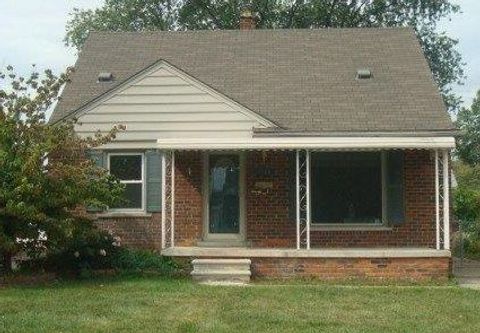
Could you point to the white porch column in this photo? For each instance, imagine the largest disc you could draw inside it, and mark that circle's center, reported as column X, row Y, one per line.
column 437, row 201
column 297, row 207
column 446, row 202
column 172, row 208
column 309, row 220
column 164, row 204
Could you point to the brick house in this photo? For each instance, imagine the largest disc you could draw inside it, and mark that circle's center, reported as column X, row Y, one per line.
column 310, row 152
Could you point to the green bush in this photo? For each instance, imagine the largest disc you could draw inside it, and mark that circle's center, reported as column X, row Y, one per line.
column 466, row 242
column 130, row 260
column 90, row 249
column 87, row 249
column 466, row 203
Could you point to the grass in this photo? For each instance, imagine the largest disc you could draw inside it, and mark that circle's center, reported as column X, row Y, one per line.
column 167, row 305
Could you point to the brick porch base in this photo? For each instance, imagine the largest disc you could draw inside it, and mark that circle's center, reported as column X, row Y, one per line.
column 415, row 269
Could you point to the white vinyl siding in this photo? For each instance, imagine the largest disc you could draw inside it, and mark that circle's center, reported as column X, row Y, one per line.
column 166, row 103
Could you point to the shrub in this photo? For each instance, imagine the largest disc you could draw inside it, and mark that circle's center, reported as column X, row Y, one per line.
column 466, row 203
column 90, row 249
column 466, row 242
column 131, row 260
column 85, row 249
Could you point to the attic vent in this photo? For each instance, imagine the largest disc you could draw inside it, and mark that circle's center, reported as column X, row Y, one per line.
column 364, row 73
column 105, row 77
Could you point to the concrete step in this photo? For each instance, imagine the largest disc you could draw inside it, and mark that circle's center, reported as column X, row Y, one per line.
column 221, row 271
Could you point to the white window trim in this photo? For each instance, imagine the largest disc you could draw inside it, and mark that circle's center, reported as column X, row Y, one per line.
column 358, row 226
column 141, row 181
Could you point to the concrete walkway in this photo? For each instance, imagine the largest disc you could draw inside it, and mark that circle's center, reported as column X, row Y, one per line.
column 467, row 273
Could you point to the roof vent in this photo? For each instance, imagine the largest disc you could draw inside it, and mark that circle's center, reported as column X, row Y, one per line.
column 105, row 77
column 364, row 73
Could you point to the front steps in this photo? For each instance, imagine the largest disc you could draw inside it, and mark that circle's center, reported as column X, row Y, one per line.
column 221, row 271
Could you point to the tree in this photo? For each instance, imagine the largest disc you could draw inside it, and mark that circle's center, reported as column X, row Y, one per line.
column 423, row 15
column 468, row 144
column 466, row 204
column 44, row 173
column 121, row 15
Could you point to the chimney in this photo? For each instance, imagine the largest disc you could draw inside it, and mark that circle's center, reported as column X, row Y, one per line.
column 247, row 20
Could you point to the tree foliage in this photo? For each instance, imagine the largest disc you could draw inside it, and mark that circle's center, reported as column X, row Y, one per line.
column 44, row 174
column 468, row 144
column 423, row 15
column 121, row 15
column 466, row 204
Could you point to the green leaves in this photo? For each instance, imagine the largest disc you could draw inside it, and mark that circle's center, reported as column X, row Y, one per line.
column 121, row 15
column 44, row 174
column 468, row 144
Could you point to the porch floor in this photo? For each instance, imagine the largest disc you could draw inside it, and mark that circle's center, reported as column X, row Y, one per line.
column 244, row 252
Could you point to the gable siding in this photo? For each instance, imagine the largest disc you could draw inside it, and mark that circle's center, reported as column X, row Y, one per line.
column 165, row 105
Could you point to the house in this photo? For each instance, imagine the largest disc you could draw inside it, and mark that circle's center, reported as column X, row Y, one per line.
column 308, row 152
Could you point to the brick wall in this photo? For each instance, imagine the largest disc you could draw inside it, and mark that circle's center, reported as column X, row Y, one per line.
column 188, row 198
column 138, row 232
column 269, row 223
column 269, row 219
column 416, row 269
column 144, row 232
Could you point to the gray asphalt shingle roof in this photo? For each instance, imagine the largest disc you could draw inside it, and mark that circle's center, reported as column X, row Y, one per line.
column 302, row 80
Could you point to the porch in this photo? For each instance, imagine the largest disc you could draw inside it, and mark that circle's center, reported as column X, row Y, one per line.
column 275, row 209
column 246, row 252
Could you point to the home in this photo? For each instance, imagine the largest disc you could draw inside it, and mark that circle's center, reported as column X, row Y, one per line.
column 318, row 153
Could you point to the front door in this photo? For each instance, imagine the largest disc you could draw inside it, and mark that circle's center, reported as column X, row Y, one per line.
column 224, row 199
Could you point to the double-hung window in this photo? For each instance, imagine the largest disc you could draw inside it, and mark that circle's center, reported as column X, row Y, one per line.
column 129, row 169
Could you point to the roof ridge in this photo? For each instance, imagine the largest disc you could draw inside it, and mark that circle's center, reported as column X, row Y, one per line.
column 202, row 31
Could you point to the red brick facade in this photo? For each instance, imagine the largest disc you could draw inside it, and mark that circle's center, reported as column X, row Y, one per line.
column 188, row 198
column 269, row 219
column 141, row 232
column 269, row 223
column 416, row 269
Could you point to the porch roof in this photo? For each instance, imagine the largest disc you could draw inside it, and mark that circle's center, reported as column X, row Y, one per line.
column 291, row 143
column 317, row 143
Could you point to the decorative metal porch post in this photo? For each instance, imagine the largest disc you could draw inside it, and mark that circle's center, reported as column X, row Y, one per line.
column 446, row 202
column 437, row 202
column 168, row 199
column 442, row 200
column 164, row 204
column 303, row 213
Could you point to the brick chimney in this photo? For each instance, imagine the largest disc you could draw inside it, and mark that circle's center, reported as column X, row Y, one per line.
column 247, row 20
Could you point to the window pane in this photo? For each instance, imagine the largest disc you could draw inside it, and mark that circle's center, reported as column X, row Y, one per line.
column 132, row 197
column 126, row 167
column 346, row 188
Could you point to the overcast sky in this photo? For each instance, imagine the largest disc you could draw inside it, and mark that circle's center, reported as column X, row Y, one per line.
column 32, row 32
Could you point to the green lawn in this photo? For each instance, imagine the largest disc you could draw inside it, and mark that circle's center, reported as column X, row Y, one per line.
column 161, row 305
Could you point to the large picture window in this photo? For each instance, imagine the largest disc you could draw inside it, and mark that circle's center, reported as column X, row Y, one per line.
column 129, row 169
column 347, row 187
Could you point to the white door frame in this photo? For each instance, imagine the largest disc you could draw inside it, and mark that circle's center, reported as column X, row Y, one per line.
column 240, row 236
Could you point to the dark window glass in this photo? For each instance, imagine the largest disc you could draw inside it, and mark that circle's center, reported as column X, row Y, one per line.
column 224, row 209
column 346, row 187
column 126, row 167
column 132, row 197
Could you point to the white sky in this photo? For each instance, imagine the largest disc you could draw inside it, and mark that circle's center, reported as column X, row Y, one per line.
column 32, row 32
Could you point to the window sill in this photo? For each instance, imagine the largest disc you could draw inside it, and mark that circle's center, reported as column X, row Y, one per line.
column 337, row 227
column 122, row 214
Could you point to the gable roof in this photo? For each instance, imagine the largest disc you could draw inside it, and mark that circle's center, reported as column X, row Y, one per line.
column 301, row 80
